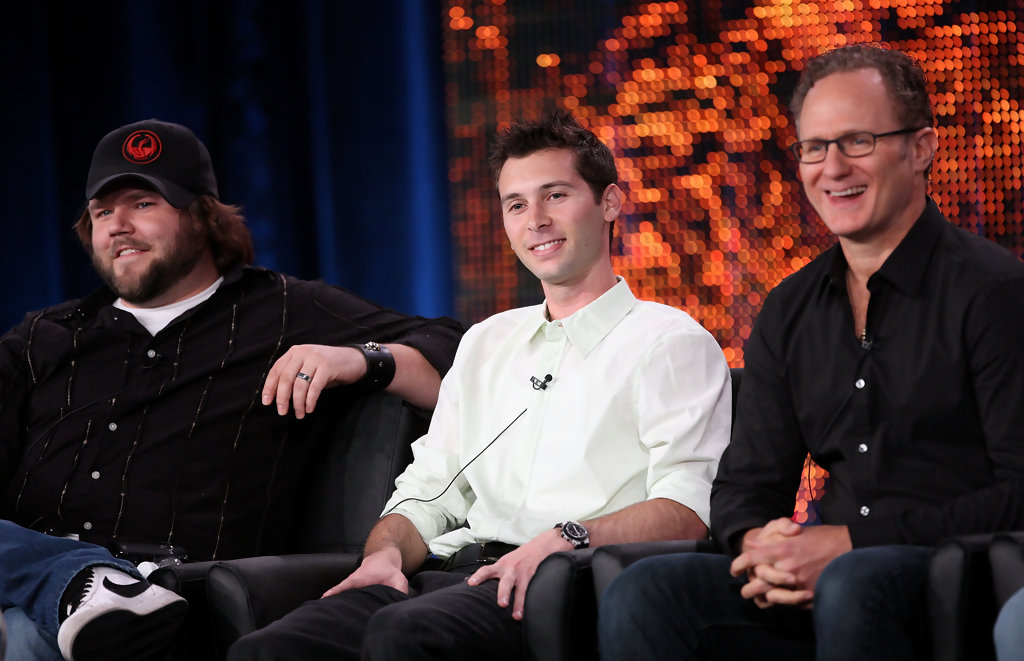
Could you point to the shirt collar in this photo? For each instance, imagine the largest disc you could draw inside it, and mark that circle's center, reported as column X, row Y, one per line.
column 905, row 268
column 586, row 327
column 101, row 298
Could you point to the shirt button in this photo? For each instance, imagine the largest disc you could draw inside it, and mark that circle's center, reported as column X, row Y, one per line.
column 112, row 426
column 151, row 353
column 865, row 510
column 87, row 525
column 95, row 475
column 859, row 383
column 862, row 448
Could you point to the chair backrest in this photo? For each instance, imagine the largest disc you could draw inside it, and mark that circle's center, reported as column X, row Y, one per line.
column 737, row 375
column 358, row 450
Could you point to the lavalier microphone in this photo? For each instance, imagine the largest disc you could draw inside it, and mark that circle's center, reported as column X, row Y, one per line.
column 540, row 385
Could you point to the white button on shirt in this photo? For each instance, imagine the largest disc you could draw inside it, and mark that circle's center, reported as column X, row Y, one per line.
column 638, row 407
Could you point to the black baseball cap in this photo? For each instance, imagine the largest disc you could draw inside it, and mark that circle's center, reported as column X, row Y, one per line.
column 167, row 156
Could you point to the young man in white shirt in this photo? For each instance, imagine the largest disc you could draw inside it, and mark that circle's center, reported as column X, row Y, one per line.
column 591, row 419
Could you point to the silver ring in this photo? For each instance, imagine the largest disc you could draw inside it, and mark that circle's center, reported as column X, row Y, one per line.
column 305, row 377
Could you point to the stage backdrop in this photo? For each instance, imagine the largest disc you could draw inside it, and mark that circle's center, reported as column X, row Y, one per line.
column 324, row 119
column 691, row 97
column 329, row 122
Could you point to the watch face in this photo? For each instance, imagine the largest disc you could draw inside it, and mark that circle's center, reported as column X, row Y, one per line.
column 575, row 531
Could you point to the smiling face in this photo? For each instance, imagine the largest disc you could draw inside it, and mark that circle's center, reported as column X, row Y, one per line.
column 144, row 251
column 556, row 227
column 871, row 198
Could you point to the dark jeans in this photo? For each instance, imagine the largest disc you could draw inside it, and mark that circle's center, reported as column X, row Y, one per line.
column 869, row 604
column 441, row 618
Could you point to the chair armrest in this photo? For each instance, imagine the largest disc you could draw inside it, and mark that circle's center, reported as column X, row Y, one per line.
column 193, row 640
column 961, row 604
column 1006, row 558
column 250, row 593
column 560, row 616
column 609, row 561
column 188, row 580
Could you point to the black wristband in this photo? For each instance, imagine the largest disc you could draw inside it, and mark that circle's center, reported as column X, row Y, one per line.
column 380, row 365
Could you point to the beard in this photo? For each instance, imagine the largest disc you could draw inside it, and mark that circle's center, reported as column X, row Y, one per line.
column 162, row 274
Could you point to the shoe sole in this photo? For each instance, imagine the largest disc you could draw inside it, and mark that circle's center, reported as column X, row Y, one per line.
column 137, row 636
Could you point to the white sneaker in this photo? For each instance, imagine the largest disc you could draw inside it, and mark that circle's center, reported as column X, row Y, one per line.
column 111, row 616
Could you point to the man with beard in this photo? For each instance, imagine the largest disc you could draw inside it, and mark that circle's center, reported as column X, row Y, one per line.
column 152, row 411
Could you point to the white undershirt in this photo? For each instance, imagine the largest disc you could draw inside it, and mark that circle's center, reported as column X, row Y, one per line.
column 156, row 319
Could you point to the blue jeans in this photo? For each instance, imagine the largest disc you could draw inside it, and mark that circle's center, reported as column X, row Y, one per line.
column 37, row 569
column 1008, row 633
column 27, row 641
column 869, row 604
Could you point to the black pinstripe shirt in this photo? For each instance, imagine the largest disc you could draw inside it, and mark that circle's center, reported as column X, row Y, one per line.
column 112, row 433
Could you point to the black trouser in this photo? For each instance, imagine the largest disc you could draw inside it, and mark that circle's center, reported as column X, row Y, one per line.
column 441, row 618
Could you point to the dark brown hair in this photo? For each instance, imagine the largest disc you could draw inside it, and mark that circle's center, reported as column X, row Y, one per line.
column 557, row 130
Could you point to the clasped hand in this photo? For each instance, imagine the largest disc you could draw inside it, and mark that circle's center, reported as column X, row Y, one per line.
column 783, row 560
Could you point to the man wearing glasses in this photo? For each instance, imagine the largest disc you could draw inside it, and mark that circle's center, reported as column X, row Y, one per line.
column 895, row 358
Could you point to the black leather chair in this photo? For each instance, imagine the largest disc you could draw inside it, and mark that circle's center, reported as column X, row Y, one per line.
column 361, row 444
column 560, row 612
column 1006, row 559
column 561, row 604
column 969, row 579
column 961, row 599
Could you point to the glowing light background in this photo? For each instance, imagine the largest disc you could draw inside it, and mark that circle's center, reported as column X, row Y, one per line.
column 691, row 97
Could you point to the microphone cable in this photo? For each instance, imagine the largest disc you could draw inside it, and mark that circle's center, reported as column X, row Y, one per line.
column 428, row 500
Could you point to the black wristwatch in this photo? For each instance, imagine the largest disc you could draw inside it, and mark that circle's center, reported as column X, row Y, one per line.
column 575, row 533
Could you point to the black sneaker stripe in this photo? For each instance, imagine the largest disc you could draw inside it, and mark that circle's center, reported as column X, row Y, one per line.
column 127, row 591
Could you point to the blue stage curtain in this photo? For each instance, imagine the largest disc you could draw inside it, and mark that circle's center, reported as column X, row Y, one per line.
column 324, row 119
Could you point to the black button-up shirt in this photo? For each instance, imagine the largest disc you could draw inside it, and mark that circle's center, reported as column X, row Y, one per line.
column 111, row 433
column 921, row 425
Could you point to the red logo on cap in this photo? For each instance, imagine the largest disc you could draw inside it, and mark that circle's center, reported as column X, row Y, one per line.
column 141, row 147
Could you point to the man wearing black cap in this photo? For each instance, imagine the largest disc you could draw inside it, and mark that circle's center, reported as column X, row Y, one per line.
column 142, row 413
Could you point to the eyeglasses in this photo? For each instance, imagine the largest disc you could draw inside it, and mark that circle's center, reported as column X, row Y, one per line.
column 853, row 145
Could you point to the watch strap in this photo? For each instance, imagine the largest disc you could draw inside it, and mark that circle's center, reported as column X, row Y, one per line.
column 380, row 365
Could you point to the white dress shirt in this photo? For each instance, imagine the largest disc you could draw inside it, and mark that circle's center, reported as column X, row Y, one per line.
column 638, row 407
